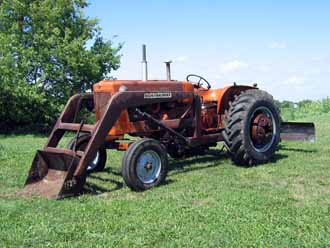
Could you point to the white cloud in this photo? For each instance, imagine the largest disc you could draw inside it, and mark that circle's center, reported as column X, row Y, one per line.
column 180, row 58
column 263, row 68
column 277, row 45
column 318, row 58
column 313, row 71
column 295, row 81
column 232, row 66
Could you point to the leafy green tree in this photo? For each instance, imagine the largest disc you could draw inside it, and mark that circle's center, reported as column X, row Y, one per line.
column 287, row 104
column 304, row 103
column 49, row 50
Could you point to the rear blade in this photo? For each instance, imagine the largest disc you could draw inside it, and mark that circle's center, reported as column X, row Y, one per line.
column 299, row 131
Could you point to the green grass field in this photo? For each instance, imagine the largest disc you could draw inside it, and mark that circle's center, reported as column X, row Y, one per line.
column 206, row 202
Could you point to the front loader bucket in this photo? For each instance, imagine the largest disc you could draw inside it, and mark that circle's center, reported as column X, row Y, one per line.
column 300, row 131
column 51, row 175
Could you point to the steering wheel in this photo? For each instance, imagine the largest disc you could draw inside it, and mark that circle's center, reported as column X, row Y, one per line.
column 200, row 82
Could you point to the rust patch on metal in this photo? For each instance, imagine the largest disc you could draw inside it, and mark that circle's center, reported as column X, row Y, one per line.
column 262, row 129
column 49, row 186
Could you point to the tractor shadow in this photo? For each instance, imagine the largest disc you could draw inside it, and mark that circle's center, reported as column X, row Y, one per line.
column 104, row 182
column 277, row 157
column 95, row 188
column 210, row 159
column 291, row 149
column 95, row 180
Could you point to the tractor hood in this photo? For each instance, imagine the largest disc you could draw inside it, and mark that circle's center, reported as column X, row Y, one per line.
column 113, row 86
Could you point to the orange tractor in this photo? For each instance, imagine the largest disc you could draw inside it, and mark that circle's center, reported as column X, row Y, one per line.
column 175, row 118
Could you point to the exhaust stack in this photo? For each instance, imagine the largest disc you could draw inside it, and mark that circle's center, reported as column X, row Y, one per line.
column 168, row 69
column 144, row 63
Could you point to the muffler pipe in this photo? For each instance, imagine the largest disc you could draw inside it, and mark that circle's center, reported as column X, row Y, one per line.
column 144, row 63
column 168, row 69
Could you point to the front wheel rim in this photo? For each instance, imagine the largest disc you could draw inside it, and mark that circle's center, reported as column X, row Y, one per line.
column 148, row 167
column 262, row 129
column 94, row 163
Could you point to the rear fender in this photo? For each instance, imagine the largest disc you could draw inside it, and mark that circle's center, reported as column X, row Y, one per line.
column 228, row 95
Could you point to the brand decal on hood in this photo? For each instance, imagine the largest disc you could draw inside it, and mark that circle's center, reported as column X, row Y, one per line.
column 150, row 95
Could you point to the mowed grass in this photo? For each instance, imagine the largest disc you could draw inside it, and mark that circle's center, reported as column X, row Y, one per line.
column 205, row 202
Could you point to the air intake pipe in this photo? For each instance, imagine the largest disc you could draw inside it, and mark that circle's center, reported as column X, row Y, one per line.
column 144, row 63
column 168, row 69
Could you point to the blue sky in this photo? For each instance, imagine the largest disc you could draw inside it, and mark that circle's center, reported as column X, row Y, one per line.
column 284, row 46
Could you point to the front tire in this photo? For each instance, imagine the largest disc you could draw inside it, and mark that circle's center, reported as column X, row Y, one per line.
column 252, row 128
column 100, row 158
column 144, row 164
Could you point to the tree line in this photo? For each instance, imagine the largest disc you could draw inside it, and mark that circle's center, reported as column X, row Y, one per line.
column 49, row 50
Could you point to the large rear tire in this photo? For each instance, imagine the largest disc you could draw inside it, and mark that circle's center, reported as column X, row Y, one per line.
column 252, row 128
column 144, row 164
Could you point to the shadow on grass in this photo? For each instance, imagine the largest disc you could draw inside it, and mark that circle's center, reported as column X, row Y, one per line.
column 277, row 157
column 112, row 171
column 297, row 150
column 211, row 159
column 95, row 188
column 177, row 166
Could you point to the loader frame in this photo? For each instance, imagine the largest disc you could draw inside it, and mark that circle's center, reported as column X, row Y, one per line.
column 66, row 169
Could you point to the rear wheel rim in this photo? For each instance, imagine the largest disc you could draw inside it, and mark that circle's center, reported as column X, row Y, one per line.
column 262, row 129
column 148, row 167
